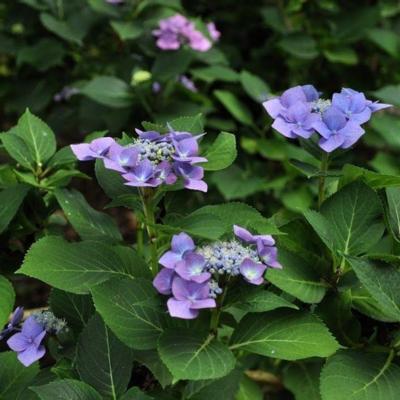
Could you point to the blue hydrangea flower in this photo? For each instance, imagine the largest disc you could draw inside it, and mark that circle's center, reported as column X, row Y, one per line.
column 15, row 320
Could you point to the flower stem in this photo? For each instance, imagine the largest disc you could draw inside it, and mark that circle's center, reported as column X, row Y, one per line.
column 216, row 313
column 321, row 185
column 149, row 220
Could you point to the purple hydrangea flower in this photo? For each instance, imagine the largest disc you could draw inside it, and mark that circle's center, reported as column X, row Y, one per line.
column 186, row 150
column 164, row 172
column 27, row 343
column 337, row 131
column 15, row 319
column 180, row 245
column 189, row 298
column 191, row 268
column 253, row 272
column 177, row 30
column 192, row 176
column 65, row 94
column 353, row 106
column 142, row 175
column 120, row 158
column 374, row 106
column 188, row 83
column 268, row 255
column 163, row 281
column 214, row 33
column 156, row 87
column 246, row 236
column 98, row 148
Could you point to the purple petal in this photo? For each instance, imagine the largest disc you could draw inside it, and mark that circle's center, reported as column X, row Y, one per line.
column 101, row 145
column 361, row 117
column 293, row 95
column 332, row 143
column 322, row 129
column 163, row 281
column 376, row 106
column 310, row 92
column 273, row 107
column 38, row 339
column 269, row 256
column 352, row 132
column 169, row 259
column 206, row 303
column 213, row 31
column 334, row 119
column 17, row 316
column 194, row 184
column 181, row 309
column 243, row 234
column 283, row 128
column 252, row 271
column 31, row 354
column 182, row 243
column 191, row 268
column 82, row 152
column 31, row 328
column 18, row 342
column 299, row 111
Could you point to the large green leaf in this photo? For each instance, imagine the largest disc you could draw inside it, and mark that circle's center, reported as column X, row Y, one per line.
column 222, row 153
column 74, row 267
column 393, row 211
column 38, row 137
column 88, row 222
column 249, row 390
column 7, row 299
column 353, row 375
column 389, row 94
column 298, row 278
column 132, row 310
column 76, row 309
column 62, row 28
column 348, row 224
column 200, row 355
column 66, row 389
column 127, row 30
column 109, row 91
column 17, row 149
column 254, row 86
column 169, row 64
column 14, row 377
column 382, row 282
column 193, row 124
column 302, row 379
column 238, row 109
column 102, row 360
column 215, row 73
column 284, row 334
column 10, row 200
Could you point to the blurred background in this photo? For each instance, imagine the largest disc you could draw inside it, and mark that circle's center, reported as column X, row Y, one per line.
column 89, row 65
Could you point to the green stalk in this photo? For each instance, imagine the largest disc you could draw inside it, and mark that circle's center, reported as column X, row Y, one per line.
column 216, row 313
column 149, row 220
column 322, row 178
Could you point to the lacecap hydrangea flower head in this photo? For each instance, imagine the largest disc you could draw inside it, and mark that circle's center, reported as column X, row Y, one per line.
column 194, row 276
column 176, row 31
column 300, row 112
column 27, row 341
column 151, row 160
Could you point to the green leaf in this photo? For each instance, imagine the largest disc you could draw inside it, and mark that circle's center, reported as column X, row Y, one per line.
column 102, row 360
column 373, row 179
column 382, row 282
column 61, row 28
column 341, row 55
column 307, row 169
column 355, row 375
column 347, row 223
column 214, row 389
column 74, row 308
column 62, row 158
column 7, row 300
column 235, row 183
column 194, row 124
column 61, row 178
column 284, row 334
column 38, row 137
column 299, row 45
column 200, row 355
column 127, row 30
column 89, row 223
column 74, row 267
column 385, row 39
column 111, row 181
column 131, row 309
column 134, row 393
column 169, row 64
column 389, row 94
column 66, row 389
column 387, row 126
column 152, row 361
column 256, row 300
column 249, row 390
column 11, row 200
column 298, row 278
column 215, row 73
column 254, row 86
column 17, row 148
column 102, row 7
column 238, row 109
column 14, row 377
column 393, row 211
column 109, row 91
column 302, row 379
column 43, row 55
column 222, row 153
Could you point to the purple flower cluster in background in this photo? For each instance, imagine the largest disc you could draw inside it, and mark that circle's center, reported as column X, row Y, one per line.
column 300, row 112
column 192, row 274
column 27, row 342
column 151, row 160
column 176, row 31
